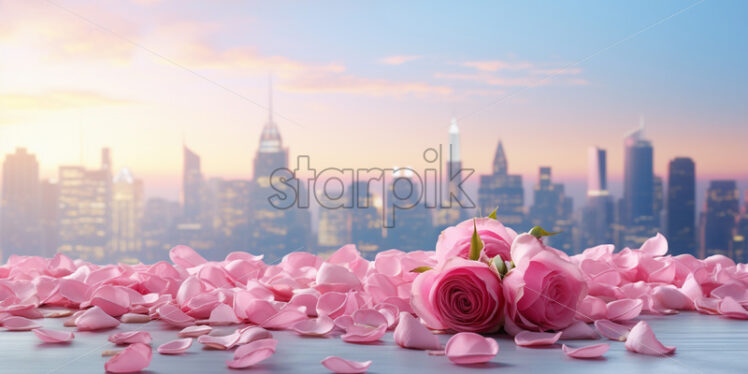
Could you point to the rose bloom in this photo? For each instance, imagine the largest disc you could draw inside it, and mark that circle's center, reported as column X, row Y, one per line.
column 454, row 241
column 544, row 289
column 460, row 295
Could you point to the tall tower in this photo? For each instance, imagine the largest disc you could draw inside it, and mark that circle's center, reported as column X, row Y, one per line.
column 681, row 206
column 19, row 223
column 638, row 190
column 454, row 165
column 499, row 161
column 598, row 213
column 722, row 210
column 503, row 190
column 597, row 175
column 192, row 184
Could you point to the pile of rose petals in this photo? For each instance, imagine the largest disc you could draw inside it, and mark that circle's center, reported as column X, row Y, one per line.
column 348, row 297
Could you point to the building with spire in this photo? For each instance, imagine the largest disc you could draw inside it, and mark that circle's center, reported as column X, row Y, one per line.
column 503, row 191
column 273, row 230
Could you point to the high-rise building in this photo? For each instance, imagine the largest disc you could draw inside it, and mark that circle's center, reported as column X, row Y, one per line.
column 233, row 215
column 681, row 206
column 503, row 190
column 658, row 199
column 20, row 231
column 719, row 218
column 412, row 228
column 84, row 214
column 638, row 190
column 598, row 214
column 740, row 238
column 454, row 206
column 127, row 215
column 275, row 231
column 552, row 210
column 366, row 220
column 333, row 225
column 50, row 193
column 160, row 220
column 192, row 185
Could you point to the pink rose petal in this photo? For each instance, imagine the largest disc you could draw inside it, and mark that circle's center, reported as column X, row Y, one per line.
column 220, row 342
column 175, row 347
column 363, row 333
column 135, row 357
column 319, row 326
column 470, row 348
column 578, row 331
column 130, row 337
column 246, row 349
column 331, row 277
column 251, row 359
column 612, row 330
column 410, row 333
column 54, row 336
column 642, row 340
column 343, row 366
column 134, row 318
column 252, row 333
column 15, row 323
column 95, row 319
column 730, row 308
column 624, row 309
column 185, row 257
column 113, row 300
column 590, row 351
column 222, row 314
column 285, row 318
column 194, row 331
column 532, row 338
column 591, row 309
column 174, row 316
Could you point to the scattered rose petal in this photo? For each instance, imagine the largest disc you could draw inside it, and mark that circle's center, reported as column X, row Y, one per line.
column 578, row 331
column 252, row 353
column 410, row 333
column 730, row 308
column 248, row 348
column 612, row 330
column 135, row 357
column 219, row 342
column 134, row 318
column 470, row 348
column 343, row 366
column 54, row 336
column 590, row 351
column 252, row 333
column 532, row 338
column 58, row 313
column 175, row 347
column 194, row 331
column 642, row 340
column 222, row 315
column 174, row 316
column 319, row 326
column 624, row 309
column 363, row 333
column 95, row 319
column 130, row 337
column 15, row 323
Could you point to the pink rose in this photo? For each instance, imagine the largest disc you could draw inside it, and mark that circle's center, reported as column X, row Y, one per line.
column 454, row 241
column 460, row 295
column 543, row 290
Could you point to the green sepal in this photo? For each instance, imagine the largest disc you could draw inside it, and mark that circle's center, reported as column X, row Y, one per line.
column 539, row 232
column 493, row 214
column 500, row 266
column 421, row 269
column 476, row 245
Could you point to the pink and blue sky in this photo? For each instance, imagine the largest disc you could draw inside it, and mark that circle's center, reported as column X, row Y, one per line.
column 373, row 84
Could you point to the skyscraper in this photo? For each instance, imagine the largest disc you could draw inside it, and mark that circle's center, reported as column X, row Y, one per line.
column 233, row 214
column 50, row 193
column 159, row 225
column 503, row 190
column 192, row 184
column 681, row 206
column 333, row 226
column 20, row 229
column 552, row 210
column 366, row 221
column 720, row 215
column 598, row 213
column 412, row 228
column 84, row 215
column 274, row 231
column 127, row 216
column 638, row 190
column 740, row 239
column 451, row 211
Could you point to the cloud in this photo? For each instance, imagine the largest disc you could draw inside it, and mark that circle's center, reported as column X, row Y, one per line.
column 57, row 99
column 397, row 60
column 351, row 84
column 53, row 34
column 496, row 65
